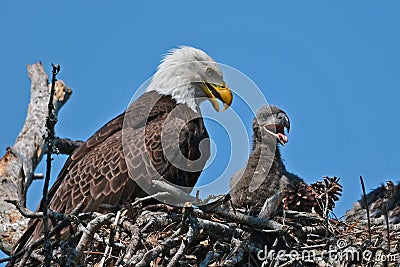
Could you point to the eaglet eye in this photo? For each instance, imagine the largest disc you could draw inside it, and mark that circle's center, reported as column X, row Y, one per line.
column 265, row 116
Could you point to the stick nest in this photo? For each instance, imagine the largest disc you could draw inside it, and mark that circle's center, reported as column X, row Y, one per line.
column 219, row 235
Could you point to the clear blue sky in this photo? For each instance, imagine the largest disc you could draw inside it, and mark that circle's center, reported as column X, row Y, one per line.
column 334, row 66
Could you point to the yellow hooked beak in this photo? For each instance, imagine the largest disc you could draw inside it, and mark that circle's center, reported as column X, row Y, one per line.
column 221, row 92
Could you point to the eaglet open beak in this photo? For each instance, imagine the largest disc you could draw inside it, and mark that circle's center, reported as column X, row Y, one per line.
column 221, row 92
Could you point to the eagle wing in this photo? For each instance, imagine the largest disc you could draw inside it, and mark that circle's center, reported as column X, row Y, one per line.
column 99, row 169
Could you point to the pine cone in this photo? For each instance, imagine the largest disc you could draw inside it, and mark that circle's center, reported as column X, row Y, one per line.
column 329, row 188
column 299, row 197
column 313, row 198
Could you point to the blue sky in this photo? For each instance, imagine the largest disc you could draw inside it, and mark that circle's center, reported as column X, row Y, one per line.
column 332, row 65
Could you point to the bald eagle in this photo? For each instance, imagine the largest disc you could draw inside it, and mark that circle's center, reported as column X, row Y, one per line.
column 160, row 136
column 265, row 174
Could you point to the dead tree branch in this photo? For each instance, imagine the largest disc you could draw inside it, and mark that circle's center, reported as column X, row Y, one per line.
column 65, row 145
column 367, row 207
column 19, row 162
column 50, row 125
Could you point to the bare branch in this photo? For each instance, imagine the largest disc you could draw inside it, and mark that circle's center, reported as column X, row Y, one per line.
column 66, row 146
column 25, row 211
column 367, row 207
column 193, row 229
column 174, row 191
column 92, row 228
column 153, row 253
column 50, row 125
column 25, row 154
column 271, row 205
column 251, row 221
column 67, row 218
column 386, row 216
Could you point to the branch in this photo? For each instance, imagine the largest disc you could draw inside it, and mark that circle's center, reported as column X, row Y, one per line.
column 193, row 229
column 66, row 219
column 66, row 146
column 271, row 205
column 254, row 222
column 50, row 125
column 20, row 160
column 92, row 228
column 216, row 228
column 154, row 252
column 176, row 192
column 367, row 208
column 25, row 211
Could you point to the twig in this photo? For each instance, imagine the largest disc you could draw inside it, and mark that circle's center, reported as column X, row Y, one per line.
column 64, row 217
column 7, row 259
column 163, row 207
column 326, row 211
column 193, row 229
column 108, row 250
column 271, row 205
column 215, row 228
column 385, row 214
column 37, row 176
column 92, row 228
column 154, row 196
column 22, row 188
column 207, row 259
column 184, row 226
column 28, row 250
column 133, row 243
column 255, row 222
column 367, row 208
column 316, row 229
column 303, row 215
column 154, row 252
column 66, row 146
column 24, row 211
column 216, row 203
column 176, row 192
column 26, row 153
column 50, row 124
column 238, row 250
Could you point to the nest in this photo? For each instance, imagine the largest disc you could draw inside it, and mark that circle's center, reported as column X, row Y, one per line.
column 219, row 235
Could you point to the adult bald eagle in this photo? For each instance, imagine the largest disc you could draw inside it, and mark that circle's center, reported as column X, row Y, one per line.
column 158, row 137
column 265, row 174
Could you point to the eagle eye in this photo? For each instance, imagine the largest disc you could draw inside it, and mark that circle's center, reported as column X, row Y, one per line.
column 209, row 71
column 265, row 116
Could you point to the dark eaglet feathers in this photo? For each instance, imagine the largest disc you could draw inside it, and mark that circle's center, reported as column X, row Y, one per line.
column 265, row 174
column 129, row 148
column 385, row 197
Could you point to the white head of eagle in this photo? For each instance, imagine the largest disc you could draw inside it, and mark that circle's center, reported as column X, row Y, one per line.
column 190, row 76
